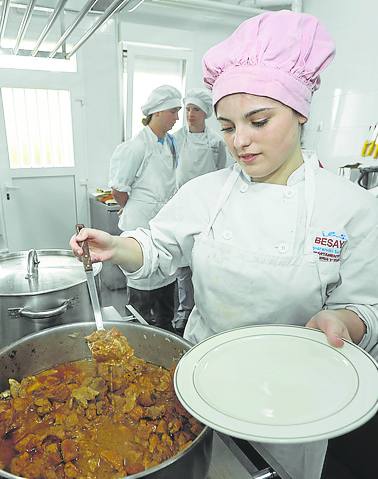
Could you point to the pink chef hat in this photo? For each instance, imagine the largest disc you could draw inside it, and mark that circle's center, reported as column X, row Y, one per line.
column 277, row 54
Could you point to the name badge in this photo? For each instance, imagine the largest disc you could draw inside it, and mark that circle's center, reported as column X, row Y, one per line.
column 328, row 245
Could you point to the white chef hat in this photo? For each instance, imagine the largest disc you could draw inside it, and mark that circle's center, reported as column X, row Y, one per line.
column 201, row 98
column 162, row 98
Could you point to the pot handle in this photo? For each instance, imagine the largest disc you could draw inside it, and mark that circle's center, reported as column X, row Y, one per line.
column 45, row 314
column 136, row 315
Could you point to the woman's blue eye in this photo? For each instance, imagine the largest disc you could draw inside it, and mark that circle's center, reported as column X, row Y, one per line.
column 227, row 130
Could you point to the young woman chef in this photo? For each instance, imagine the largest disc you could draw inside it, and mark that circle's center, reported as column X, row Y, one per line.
column 201, row 150
column 275, row 239
column 143, row 178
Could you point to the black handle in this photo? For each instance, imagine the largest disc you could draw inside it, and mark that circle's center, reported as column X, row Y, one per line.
column 362, row 176
column 87, row 262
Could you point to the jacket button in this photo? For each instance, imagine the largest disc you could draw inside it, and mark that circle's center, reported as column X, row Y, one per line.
column 282, row 248
column 289, row 193
column 243, row 189
column 227, row 235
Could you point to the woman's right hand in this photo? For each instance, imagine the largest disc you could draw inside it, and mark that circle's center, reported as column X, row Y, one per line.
column 101, row 244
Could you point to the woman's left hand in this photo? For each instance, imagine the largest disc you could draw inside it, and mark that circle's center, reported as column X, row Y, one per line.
column 332, row 326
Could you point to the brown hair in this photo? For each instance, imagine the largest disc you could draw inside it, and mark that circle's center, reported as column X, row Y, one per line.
column 146, row 120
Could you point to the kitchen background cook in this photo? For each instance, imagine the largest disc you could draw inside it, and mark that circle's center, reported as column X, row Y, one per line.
column 143, row 178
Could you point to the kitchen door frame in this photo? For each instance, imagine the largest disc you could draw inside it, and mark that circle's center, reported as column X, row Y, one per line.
column 72, row 82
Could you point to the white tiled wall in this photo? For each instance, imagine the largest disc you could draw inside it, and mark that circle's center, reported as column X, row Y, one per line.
column 347, row 102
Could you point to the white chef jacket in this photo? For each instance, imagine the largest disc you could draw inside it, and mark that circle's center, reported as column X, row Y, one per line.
column 266, row 253
column 199, row 153
column 267, row 220
column 146, row 170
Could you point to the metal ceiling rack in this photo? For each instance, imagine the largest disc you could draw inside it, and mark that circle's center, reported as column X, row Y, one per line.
column 72, row 27
column 49, row 24
column 24, row 25
column 109, row 9
column 106, row 9
column 4, row 18
column 113, row 8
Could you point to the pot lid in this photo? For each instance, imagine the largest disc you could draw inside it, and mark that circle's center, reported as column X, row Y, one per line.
column 40, row 271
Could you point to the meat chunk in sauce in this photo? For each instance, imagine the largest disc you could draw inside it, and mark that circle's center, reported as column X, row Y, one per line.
column 109, row 345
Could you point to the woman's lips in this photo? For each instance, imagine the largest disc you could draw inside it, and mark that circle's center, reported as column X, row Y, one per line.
column 248, row 159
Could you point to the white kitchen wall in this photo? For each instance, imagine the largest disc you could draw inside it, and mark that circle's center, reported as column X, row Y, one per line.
column 347, row 102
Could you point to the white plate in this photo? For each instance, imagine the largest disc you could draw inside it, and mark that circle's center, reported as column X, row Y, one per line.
column 277, row 384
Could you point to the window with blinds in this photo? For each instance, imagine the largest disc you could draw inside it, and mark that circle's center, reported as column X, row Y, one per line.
column 38, row 127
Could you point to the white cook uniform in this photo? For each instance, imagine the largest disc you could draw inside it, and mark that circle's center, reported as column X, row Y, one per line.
column 258, row 254
column 199, row 153
column 146, row 170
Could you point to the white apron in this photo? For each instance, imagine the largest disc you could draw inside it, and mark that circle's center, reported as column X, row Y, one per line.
column 234, row 288
column 198, row 155
column 154, row 185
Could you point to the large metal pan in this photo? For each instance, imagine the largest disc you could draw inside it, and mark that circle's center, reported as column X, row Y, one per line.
column 52, row 346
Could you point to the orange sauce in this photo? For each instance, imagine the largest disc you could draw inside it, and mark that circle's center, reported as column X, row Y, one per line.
column 92, row 421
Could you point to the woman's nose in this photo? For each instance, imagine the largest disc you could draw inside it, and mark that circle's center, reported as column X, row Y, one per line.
column 242, row 138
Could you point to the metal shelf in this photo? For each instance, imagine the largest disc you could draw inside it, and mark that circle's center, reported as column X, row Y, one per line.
column 107, row 9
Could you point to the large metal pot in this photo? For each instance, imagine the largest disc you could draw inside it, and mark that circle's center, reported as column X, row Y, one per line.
column 40, row 289
column 45, row 349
